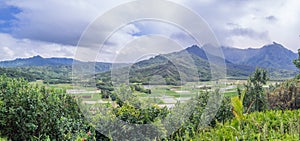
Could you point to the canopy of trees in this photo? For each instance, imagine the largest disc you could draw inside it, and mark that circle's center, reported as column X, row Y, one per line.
column 36, row 113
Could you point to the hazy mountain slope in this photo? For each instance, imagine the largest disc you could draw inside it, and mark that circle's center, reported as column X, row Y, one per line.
column 273, row 56
column 237, row 56
column 269, row 56
column 231, row 68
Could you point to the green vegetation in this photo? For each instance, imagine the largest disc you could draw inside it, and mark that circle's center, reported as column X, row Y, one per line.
column 140, row 88
column 42, row 110
column 268, row 125
column 49, row 74
column 297, row 61
column 17, row 74
column 30, row 112
column 133, row 112
column 286, row 96
column 255, row 99
column 231, row 93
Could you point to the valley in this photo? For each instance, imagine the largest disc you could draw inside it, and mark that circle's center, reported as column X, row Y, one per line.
column 149, row 70
column 156, row 91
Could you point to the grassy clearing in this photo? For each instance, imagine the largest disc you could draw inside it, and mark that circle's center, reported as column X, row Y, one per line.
column 62, row 86
column 93, row 97
column 231, row 94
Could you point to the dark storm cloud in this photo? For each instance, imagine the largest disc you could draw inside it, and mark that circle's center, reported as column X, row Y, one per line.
column 249, row 33
column 271, row 18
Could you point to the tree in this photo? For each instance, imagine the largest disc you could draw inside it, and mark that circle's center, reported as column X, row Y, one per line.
column 132, row 119
column 297, row 61
column 255, row 99
column 30, row 112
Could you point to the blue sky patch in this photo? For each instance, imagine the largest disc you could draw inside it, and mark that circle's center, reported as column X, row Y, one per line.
column 7, row 17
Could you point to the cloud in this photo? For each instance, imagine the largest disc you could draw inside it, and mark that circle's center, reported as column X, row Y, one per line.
column 12, row 48
column 271, row 18
column 248, row 32
column 277, row 19
column 56, row 21
column 152, row 45
column 130, row 42
column 142, row 23
column 58, row 26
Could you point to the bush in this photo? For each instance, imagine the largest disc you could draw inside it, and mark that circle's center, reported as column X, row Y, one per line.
column 127, row 120
column 268, row 125
column 36, row 113
column 198, row 105
column 140, row 88
column 286, row 96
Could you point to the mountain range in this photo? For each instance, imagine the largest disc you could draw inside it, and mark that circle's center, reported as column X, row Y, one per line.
column 38, row 61
column 239, row 63
column 269, row 56
column 187, row 65
column 51, row 70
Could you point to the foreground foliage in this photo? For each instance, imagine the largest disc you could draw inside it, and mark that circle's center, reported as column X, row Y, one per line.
column 282, row 124
column 36, row 113
column 269, row 125
column 30, row 112
column 255, row 96
column 286, row 96
column 297, row 61
column 133, row 118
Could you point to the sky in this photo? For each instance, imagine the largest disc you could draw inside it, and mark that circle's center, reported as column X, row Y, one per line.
column 53, row 28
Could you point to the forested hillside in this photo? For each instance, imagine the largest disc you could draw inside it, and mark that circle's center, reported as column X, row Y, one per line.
column 17, row 74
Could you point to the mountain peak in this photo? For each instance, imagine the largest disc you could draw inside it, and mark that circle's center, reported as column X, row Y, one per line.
column 193, row 47
column 37, row 56
column 196, row 50
column 275, row 43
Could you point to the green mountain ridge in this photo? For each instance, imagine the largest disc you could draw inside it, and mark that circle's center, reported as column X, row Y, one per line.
column 190, row 64
column 175, row 68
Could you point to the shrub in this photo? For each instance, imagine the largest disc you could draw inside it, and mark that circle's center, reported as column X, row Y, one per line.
column 36, row 113
column 286, row 96
column 268, row 125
